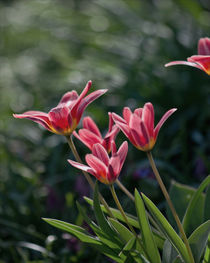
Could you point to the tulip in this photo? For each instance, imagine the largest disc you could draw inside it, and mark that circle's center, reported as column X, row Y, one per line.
column 106, row 169
column 139, row 126
column 200, row 61
column 64, row 118
column 91, row 135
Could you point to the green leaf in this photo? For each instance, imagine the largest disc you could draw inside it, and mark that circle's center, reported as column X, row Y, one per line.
column 124, row 233
column 167, row 229
column 180, row 196
column 169, row 253
column 198, row 240
column 190, row 220
column 107, row 231
column 207, row 205
column 159, row 239
column 147, row 236
column 77, row 231
column 206, row 258
column 106, row 239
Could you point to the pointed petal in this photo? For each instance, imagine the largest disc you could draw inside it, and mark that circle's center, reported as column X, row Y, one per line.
column 89, row 124
column 110, row 136
column 79, row 99
column 99, row 151
column 162, row 120
column 136, row 125
column 202, row 62
column 114, row 168
column 187, row 63
column 204, row 46
column 59, row 117
column 97, row 165
column 113, row 147
column 87, row 100
column 122, row 153
column 139, row 112
column 127, row 114
column 81, row 167
column 117, row 118
column 148, row 118
column 111, row 121
column 36, row 116
column 68, row 98
column 88, row 138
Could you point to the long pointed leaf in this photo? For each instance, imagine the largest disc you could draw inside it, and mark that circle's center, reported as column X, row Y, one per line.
column 167, row 229
column 188, row 222
column 199, row 239
column 146, row 232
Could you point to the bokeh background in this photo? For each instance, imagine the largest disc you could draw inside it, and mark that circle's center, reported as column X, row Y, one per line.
column 48, row 47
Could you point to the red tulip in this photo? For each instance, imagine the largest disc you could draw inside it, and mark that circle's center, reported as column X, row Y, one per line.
column 201, row 61
column 139, row 126
column 106, row 169
column 91, row 135
column 64, row 118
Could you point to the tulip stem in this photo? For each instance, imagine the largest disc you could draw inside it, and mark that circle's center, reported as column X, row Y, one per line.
column 87, row 176
column 168, row 199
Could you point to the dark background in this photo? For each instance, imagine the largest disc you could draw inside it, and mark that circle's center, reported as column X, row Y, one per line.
column 48, row 47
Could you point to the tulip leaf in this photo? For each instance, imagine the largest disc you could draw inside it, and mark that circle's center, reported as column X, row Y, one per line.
column 108, row 232
column 167, row 229
column 199, row 239
column 169, row 253
column 77, row 231
column 123, row 231
column 180, row 195
column 159, row 239
column 190, row 222
column 147, row 236
column 206, row 258
column 207, row 205
column 83, row 236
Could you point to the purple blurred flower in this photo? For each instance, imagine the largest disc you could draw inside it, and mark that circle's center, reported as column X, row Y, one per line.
column 200, row 169
column 72, row 243
column 54, row 202
column 81, row 186
column 143, row 172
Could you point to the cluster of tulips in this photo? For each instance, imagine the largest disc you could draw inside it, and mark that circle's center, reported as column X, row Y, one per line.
column 106, row 161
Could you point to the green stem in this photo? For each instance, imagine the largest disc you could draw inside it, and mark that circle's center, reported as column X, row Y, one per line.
column 124, row 215
column 87, row 176
column 171, row 206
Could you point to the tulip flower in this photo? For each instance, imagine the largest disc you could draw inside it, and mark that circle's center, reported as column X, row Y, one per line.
column 201, row 61
column 91, row 135
column 139, row 126
column 64, row 118
column 106, row 169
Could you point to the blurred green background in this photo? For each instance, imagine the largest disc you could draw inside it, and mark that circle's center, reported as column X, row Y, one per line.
column 48, row 47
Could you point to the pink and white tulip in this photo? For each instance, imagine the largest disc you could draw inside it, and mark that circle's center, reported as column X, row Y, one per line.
column 106, row 169
column 64, row 118
column 200, row 61
column 139, row 125
column 90, row 134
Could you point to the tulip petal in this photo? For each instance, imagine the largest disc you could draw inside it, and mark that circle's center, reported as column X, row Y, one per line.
column 139, row 112
column 127, row 114
column 68, row 98
column 148, row 118
column 111, row 122
column 87, row 100
column 118, row 119
column 139, row 134
column 187, row 63
column 202, row 62
column 122, row 153
column 114, row 168
column 79, row 99
column 97, row 165
column 87, row 137
column 81, row 167
column 204, row 46
column 162, row 120
column 109, row 137
column 99, row 151
column 36, row 116
column 90, row 125
column 59, row 117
